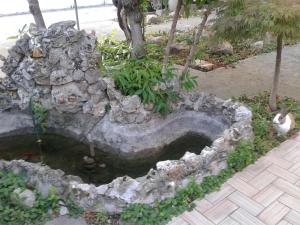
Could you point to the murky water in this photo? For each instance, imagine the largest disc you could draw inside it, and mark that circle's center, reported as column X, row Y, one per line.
column 68, row 155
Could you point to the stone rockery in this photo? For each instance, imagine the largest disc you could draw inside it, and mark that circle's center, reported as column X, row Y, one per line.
column 58, row 68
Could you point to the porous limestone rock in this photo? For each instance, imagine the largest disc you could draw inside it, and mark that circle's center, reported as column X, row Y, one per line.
column 25, row 198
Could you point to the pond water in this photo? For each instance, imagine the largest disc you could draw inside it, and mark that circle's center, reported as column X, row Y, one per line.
column 67, row 154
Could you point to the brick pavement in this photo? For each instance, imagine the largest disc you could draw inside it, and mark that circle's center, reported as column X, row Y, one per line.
column 267, row 192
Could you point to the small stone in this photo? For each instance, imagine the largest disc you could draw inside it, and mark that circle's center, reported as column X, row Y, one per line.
column 88, row 160
column 179, row 49
column 225, row 48
column 37, row 53
column 153, row 19
column 203, row 65
column 156, row 40
column 102, row 165
column 72, row 98
column 259, row 45
column 63, row 211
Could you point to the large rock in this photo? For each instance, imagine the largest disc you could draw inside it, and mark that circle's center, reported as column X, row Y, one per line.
column 25, row 198
column 224, row 48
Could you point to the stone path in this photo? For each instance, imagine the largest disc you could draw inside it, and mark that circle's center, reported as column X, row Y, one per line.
column 267, row 192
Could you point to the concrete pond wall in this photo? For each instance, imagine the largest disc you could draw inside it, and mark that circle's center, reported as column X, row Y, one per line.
column 58, row 68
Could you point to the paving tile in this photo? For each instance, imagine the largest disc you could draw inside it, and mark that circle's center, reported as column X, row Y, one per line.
column 297, row 137
column 268, row 195
column 287, row 187
column 262, row 180
column 242, row 186
column 285, row 174
column 195, row 218
column 293, row 153
column 229, row 221
column 290, row 201
column 246, row 203
column 279, row 161
column 295, row 168
column 298, row 184
column 177, row 221
column 202, row 205
column 245, row 218
column 274, row 213
column 284, row 222
column 293, row 217
column 296, row 159
column 220, row 211
column 287, row 145
column 244, row 175
column 218, row 196
column 259, row 166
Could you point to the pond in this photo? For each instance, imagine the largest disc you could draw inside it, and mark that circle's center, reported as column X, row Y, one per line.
column 73, row 158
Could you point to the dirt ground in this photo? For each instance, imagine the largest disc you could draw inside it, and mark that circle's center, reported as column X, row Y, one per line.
column 254, row 75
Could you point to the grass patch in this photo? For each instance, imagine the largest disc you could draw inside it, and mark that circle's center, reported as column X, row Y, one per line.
column 245, row 153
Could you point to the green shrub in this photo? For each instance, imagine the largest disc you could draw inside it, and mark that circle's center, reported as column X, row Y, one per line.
column 243, row 155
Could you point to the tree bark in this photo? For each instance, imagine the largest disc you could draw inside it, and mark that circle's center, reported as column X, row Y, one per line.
column 135, row 18
column 195, row 43
column 274, row 92
column 35, row 10
column 122, row 19
column 76, row 14
column 171, row 35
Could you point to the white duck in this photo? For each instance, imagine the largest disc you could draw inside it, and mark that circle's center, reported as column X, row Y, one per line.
column 284, row 122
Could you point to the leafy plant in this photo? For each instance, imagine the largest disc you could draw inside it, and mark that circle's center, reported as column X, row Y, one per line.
column 39, row 116
column 101, row 217
column 113, row 52
column 242, row 156
column 188, row 82
column 143, row 77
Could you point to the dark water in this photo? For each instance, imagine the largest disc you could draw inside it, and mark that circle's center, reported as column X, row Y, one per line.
column 66, row 154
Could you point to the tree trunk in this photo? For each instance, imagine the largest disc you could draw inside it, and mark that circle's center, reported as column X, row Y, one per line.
column 171, row 35
column 122, row 19
column 35, row 10
column 135, row 19
column 274, row 92
column 195, row 43
column 76, row 14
